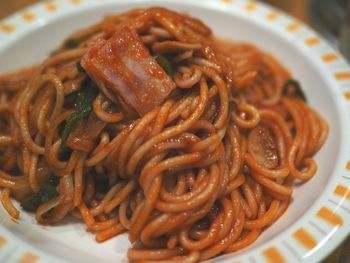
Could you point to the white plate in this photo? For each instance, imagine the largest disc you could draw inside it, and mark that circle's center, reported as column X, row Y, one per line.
column 318, row 217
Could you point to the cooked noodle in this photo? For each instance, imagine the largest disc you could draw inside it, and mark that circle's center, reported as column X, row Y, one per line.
column 203, row 173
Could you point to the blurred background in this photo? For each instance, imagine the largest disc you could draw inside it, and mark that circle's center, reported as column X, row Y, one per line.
column 324, row 15
column 331, row 18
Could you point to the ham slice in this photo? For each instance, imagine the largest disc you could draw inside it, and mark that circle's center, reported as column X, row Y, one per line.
column 123, row 68
column 85, row 133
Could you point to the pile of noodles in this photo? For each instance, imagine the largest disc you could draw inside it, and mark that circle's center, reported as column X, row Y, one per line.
column 202, row 174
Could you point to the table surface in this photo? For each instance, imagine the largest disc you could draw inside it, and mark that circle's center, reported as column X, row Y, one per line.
column 297, row 8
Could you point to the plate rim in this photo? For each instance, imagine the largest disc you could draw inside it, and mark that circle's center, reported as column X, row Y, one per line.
column 338, row 186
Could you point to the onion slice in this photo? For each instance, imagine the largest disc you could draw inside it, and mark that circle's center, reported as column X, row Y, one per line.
column 262, row 147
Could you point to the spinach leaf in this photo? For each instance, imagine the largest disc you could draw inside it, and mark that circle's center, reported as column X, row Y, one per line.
column 232, row 105
column 46, row 193
column 82, row 106
column 79, row 67
column 296, row 89
column 72, row 43
column 166, row 65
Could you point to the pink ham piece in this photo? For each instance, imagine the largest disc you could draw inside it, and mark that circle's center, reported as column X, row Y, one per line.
column 123, row 68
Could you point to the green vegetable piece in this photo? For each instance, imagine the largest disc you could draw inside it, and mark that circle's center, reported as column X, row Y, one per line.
column 297, row 91
column 46, row 193
column 54, row 52
column 79, row 67
column 82, row 106
column 31, row 203
column 72, row 43
column 232, row 105
column 166, row 65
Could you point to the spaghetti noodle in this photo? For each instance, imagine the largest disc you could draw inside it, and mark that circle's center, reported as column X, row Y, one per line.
column 146, row 123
